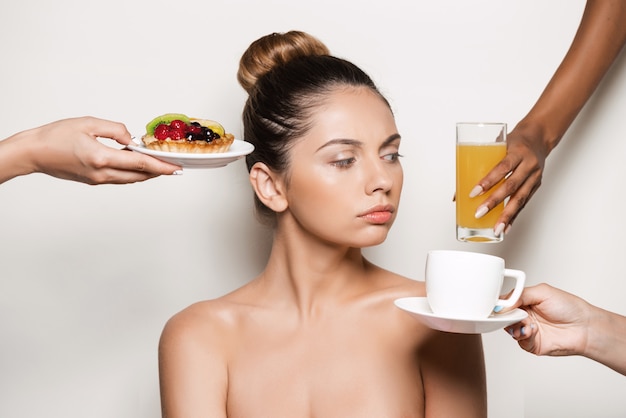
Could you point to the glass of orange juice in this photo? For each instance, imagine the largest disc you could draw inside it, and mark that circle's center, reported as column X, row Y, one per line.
column 479, row 147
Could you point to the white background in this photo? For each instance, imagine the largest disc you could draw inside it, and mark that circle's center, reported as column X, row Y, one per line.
column 89, row 275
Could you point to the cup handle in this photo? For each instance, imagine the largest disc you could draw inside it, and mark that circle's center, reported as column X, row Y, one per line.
column 520, row 280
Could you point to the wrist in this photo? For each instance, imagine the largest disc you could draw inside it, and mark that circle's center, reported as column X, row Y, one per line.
column 596, row 328
column 539, row 132
column 16, row 155
column 606, row 338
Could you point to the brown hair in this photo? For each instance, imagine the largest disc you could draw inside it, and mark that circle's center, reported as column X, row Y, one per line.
column 272, row 50
column 287, row 76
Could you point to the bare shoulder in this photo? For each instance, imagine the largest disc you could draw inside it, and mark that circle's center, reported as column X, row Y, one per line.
column 193, row 359
column 396, row 285
column 202, row 322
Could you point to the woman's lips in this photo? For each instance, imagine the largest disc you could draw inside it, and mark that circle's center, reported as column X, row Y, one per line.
column 378, row 215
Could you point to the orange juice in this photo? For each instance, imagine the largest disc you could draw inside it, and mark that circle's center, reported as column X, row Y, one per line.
column 473, row 162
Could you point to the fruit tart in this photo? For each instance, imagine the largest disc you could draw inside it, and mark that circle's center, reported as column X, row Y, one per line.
column 175, row 132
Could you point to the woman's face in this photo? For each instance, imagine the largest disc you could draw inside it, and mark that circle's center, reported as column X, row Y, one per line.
column 345, row 177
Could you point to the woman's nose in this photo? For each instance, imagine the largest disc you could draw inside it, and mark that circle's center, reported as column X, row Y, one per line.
column 379, row 177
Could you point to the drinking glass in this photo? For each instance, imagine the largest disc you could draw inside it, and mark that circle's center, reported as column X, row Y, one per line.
column 479, row 147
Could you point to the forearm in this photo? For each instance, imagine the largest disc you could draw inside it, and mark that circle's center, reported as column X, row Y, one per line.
column 598, row 41
column 15, row 154
column 606, row 342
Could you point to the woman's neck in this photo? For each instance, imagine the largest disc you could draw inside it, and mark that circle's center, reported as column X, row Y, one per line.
column 311, row 275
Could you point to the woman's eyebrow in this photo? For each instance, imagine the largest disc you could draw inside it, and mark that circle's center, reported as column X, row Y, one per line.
column 341, row 141
column 356, row 143
column 391, row 139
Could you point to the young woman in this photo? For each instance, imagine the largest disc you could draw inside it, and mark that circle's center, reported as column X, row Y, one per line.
column 316, row 334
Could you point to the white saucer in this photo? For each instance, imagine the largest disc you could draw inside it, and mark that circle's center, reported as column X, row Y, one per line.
column 418, row 307
column 237, row 150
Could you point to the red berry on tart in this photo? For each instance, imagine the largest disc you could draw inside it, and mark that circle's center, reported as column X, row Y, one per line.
column 175, row 132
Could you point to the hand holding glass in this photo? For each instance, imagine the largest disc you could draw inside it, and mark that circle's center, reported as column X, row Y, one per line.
column 479, row 148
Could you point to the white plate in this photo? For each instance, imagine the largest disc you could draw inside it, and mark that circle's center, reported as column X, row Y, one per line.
column 237, row 150
column 418, row 307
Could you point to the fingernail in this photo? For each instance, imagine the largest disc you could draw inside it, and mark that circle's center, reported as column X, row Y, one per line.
column 477, row 190
column 510, row 331
column 497, row 308
column 523, row 330
column 532, row 326
column 178, row 173
column 480, row 212
column 498, row 230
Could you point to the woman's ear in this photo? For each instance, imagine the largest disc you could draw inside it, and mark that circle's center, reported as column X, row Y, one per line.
column 268, row 187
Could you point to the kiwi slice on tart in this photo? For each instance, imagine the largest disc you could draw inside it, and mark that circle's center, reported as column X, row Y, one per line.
column 165, row 120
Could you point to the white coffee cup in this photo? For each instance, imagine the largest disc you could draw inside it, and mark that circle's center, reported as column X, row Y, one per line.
column 467, row 285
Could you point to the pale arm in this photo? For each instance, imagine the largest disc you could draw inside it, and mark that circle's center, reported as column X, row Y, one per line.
column 68, row 149
column 192, row 370
column 453, row 372
column 598, row 41
column 562, row 324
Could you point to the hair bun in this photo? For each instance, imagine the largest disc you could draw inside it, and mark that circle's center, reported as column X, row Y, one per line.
column 275, row 49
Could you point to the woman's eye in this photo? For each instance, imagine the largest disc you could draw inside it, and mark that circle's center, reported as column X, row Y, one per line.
column 394, row 156
column 344, row 163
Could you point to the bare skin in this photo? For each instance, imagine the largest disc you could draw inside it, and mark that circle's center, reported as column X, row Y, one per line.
column 68, row 149
column 598, row 41
column 562, row 324
column 316, row 334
